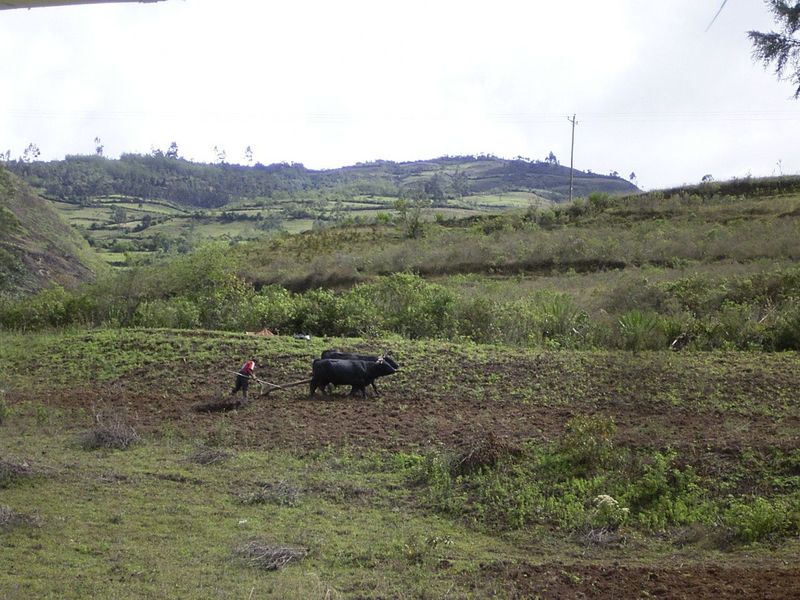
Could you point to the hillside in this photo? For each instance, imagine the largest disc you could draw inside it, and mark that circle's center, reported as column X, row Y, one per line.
column 37, row 247
column 134, row 209
column 714, row 266
column 78, row 178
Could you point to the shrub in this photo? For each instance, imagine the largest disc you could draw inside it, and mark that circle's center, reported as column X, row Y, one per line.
column 112, row 435
column 640, row 330
column 274, row 307
column 227, row 305
column 476, row 319
column 600, row 201
column 10, row 518
column 45, row 309
column 12, row 471
column 176, row 313
column 589, row 440
column 560, row 318
column 318, row 313
column 281, row 493
column 413, row 307
column 608, row 513
column 269, row 556
column 785, row 333
column 759, row 519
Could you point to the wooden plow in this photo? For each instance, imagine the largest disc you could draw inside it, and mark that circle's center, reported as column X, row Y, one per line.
column 230, row 403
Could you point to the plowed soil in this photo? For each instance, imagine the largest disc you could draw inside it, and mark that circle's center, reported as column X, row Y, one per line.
column 557, row 581
column 723, row 404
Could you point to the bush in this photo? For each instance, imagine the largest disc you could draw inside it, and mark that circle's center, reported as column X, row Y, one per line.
column 269, row 557
column 600, row 201
column 757, row 520
column 641, row 330
column 317, row 313
column 588, row 441
column 176, row 313
column 112, row 435
column 274, row 307
column 228, row 305
column 476, row 319
column 785, row 333
column 413, row 307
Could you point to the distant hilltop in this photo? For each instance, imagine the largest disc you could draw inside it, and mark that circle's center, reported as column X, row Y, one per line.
column 440, row 180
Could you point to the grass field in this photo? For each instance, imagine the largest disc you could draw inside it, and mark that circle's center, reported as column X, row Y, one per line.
column 475, row 474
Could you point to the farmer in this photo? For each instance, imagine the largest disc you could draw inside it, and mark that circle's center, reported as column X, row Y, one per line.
column 243, row 377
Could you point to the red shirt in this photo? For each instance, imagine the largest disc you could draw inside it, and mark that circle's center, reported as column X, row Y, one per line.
column 248, row 368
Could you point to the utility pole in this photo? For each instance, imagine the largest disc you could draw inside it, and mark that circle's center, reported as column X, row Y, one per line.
column 571, row 154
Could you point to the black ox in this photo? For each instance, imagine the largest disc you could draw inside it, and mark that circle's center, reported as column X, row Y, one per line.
column 356, row 373
column 367, row 357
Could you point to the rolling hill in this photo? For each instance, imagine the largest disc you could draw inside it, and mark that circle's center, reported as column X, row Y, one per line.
column 441, row 180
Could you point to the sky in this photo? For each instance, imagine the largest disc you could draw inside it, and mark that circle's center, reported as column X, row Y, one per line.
column 655, row 91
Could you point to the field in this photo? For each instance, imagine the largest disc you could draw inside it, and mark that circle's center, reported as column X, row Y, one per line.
column 142, row 228
column 475, row 474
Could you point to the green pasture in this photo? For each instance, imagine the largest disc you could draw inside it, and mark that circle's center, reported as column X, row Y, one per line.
column 507, row 200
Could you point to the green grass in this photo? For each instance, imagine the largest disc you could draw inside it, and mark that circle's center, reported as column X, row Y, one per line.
column 147, row 523
column 508, row 200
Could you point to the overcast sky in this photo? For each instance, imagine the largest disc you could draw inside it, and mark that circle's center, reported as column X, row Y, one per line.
column 330, row 84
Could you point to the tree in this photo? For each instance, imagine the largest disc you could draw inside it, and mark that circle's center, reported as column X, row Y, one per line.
column 551, row 159
column 31, row 153
column 118, row 215
column 409, row 215
column 632, row 177
column 434, row 188
column 781, row 48
column 173, row 150
column 98, row 146
column 248, row 155
column 221, row 154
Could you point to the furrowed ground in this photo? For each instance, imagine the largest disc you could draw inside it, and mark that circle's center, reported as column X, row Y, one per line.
column 478, row 472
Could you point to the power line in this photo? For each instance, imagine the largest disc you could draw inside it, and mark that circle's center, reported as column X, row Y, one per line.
column 724, row 2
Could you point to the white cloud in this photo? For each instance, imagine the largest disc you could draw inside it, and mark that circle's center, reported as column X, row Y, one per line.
column 329, row 84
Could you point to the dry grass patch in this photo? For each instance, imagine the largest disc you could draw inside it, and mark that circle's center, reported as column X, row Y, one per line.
column 209, row 456
column 112, row 434
column 281, row 493
column 482, row 453
column 269, row 556
column 12, row 470
column 10, row 518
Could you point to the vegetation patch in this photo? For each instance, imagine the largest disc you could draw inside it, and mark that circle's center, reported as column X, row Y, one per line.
column 12, row 471
column 113, row 433
column 281, row 493
column 205, row 455
column 270, row 557
column 9, row 518
column 482, row 453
